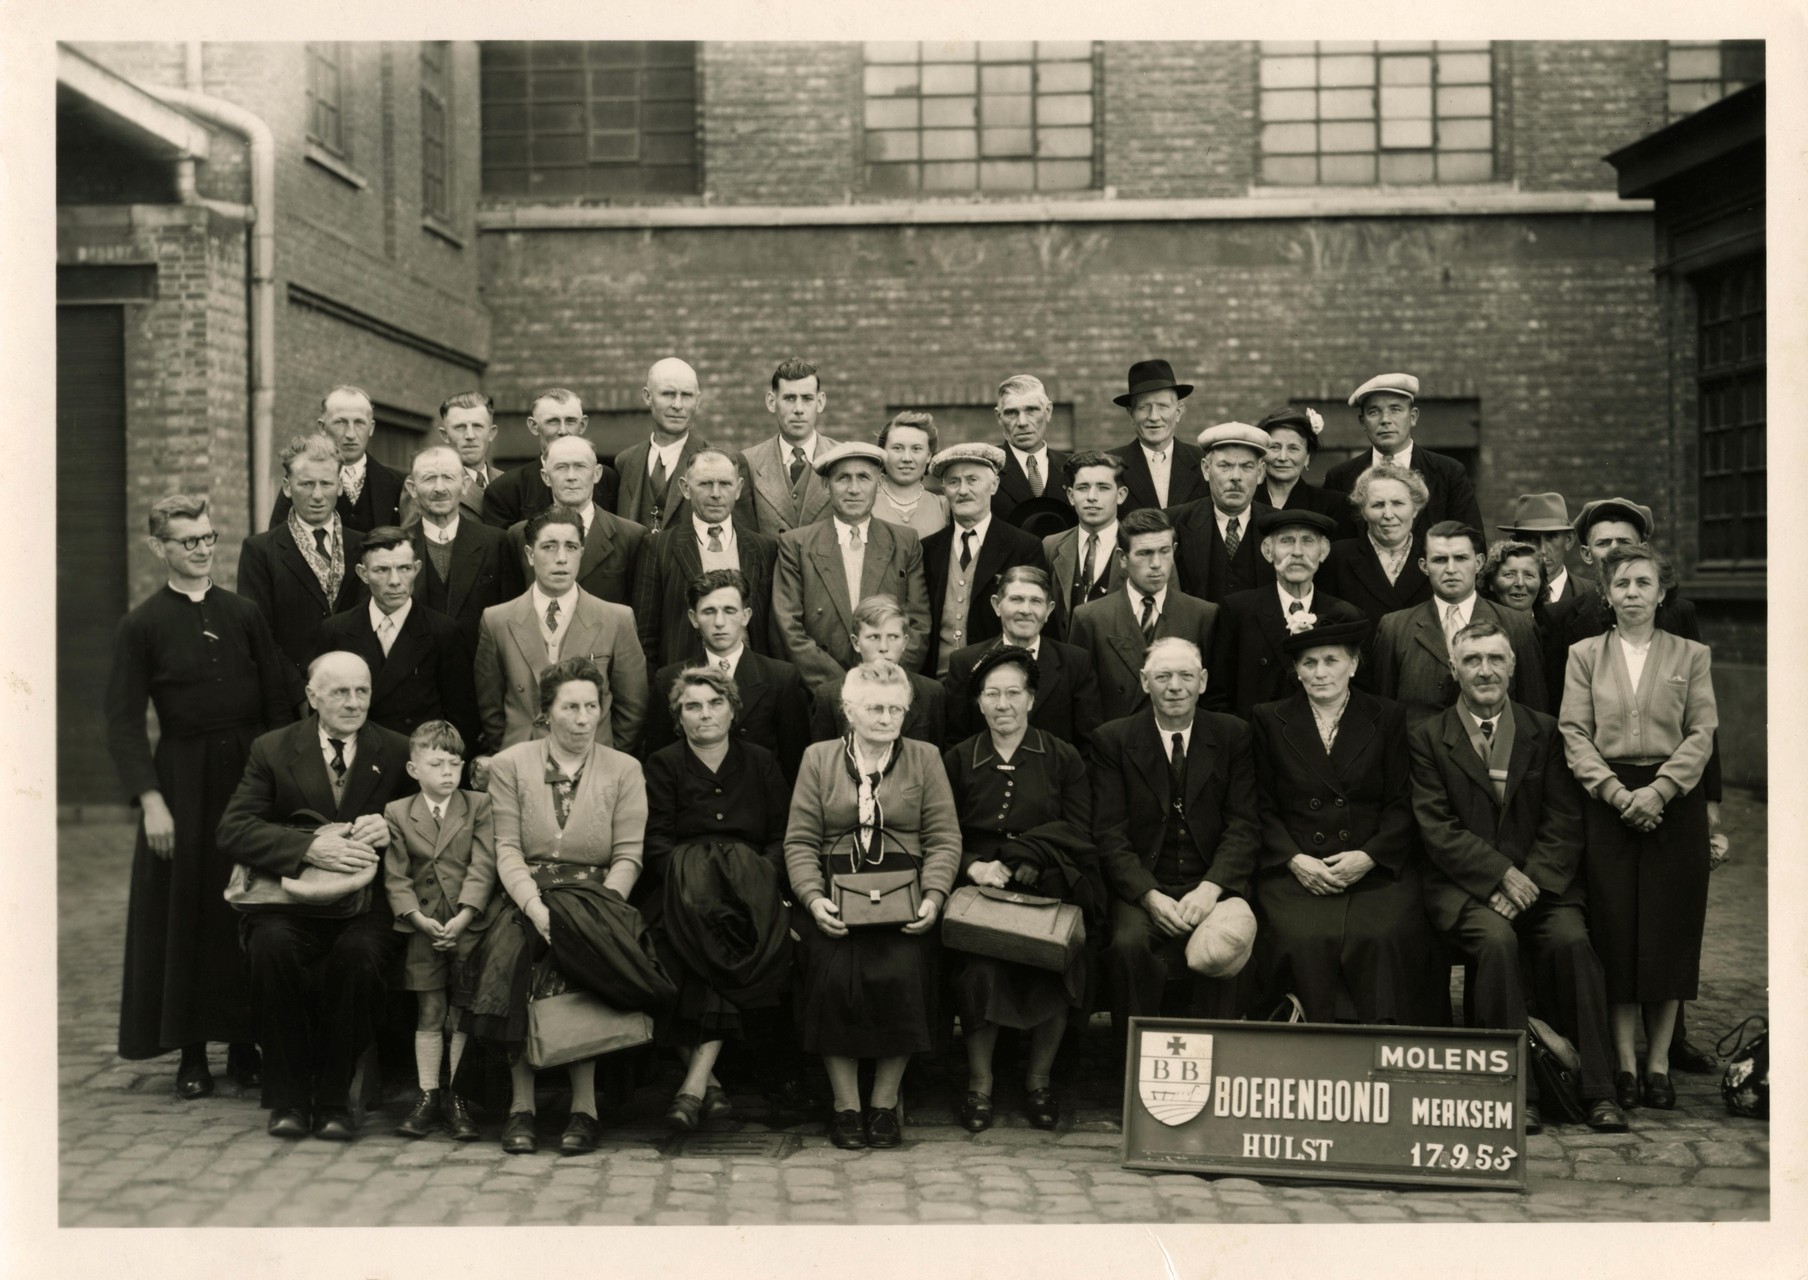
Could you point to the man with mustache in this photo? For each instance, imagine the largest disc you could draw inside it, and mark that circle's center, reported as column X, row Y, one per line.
column 1215, row 550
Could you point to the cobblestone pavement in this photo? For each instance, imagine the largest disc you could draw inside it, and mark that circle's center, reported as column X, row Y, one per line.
column 132, row 1154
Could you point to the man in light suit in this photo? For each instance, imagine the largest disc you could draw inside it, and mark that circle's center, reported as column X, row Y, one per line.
column 369, row 492
column 1411, row 659
column 787, row 492
column 554, row 620
column 467, row 425
column 1030, row 466
column 1159, row 470
column 651, row 495
column 1385, row 407
column 1215, row 543
column 1501, row 821
column 814, row 587
column 612, row 545
column 1083, row 560
column 1115, row 632
column 1067, row 692
column 466, row 565
column 521, row 493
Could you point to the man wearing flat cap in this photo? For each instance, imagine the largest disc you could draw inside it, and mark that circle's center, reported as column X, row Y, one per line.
column 961, row 560
column 1385, row 405
column 824, row 570
column 1215, row 547
column 1159, row 470
column 1542, row 519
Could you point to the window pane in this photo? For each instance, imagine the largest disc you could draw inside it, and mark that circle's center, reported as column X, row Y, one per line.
column 1289, row 104
column 556, row 150
column 891, row 51
column 559, row 86
column 1741, row 60
column 1465, row 68
column 887, row 81
column 1346, row 170
column 1063, row 175
column 1013, row 79
column 1346, row 137
column 1055, row 143
column 1444, row 45
column 504, row 119
column 1406, row 71
column 611, row 83
column 947, row 51
column 1688, row 98
column 1406, row 133
column 1289, row 73
column 1391, row 46
column 1013, row 110
column 1406, row 168
column 1064, row 77
column 1465, row 102
column 1290, row 171
column 1465, row 166
column 1695, row 64
column 949, row 144
column 952, row 113
column 891, row 179
column 504, row 86
column 1007, row 50
column 1346, row 71
column 1410, row 102
column 614, row 146
column 1346, row 46
column 950, row 177
column 1007, row 175
column 1346, row 104
column 500, row 54
column 668, row 148
column 894, row 113
column 1005, row 142
column 1286, row 138
column 898, row 145
column 558, row 118
column 616, row 114
column 1465, row 135
column 667, row 85
column 1068, row 109
column 1058, row 50
column 951, row 77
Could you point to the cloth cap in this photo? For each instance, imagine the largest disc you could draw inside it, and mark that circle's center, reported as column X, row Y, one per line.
column 1403, row 384
column 1538, row 513
column 1276, row 519
column 987, row 454
column 1615, row 509
column 825, row 462
column 1240, row 433
column 1152, row 375
column 1220, row 946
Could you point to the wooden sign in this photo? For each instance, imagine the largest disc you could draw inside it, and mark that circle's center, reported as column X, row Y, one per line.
column 1326, row 1102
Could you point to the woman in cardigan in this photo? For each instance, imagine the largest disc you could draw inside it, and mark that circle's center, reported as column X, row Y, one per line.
column 871, row 802
column 1378, row 569
column 1638, row 726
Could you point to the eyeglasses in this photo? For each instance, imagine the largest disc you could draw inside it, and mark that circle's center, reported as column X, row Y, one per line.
column 876, row 709
column 1003, row 695
column 198, row 540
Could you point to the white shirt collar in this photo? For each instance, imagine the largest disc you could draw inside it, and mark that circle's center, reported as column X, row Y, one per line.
column 842, row 527
column 1167, row 738
column 668, row 452
column 1556, row 588
column 1224, row 519
column 587, row 513
column 808, row 446
column 444, row 537
column 1465, row 609
column 1107, row 537
column 566, row 601
column 978, row 531
column 1400, row 459
column 732, row 658
column 350, row 743
column 400, row 615
column 1040, row 454
column 355, row 468
column 1287, row 599
column 1165, row 453
column 196, row 596
column 1035, row 646
column 1136, row 599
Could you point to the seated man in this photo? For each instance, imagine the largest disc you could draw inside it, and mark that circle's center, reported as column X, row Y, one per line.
column 313, row 1027
column 1501, row 821
column 1174, row 812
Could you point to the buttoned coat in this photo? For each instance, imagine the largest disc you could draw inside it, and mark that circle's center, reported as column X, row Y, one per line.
column 777, row 507
column 1246, row 664
column 612, row 550
column 638, row 502
column 1014, row 484
column 1108, row 633
column 437, row 867
column 521, row 493
column 425, row 676
column 511, row 654
column 1202, row 565
column 1353, row 573
column 486, row 570
column 1186, row 478
column 774, row 714
column 1411, row 664
column 274, row 575
column 810, row 601
column 669, row 560
column 606, row 827
column 1062, row 551
column 1067, row 693
column 1005, row 547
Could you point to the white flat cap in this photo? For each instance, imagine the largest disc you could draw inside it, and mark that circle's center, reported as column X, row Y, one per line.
column 989, row 455
column 825, row 462
column 1400, row 384
column 1240, row 433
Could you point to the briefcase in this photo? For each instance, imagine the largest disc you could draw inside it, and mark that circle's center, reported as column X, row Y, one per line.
column 1024, row 928
column 873, row 899
column 566, row 1024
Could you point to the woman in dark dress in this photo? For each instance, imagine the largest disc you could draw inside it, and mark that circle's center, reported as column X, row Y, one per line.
column 1292, row 440
column 1378, row 569
column 711, row 884
column 1026, row 812
column 1338, row 889
column 205, row 659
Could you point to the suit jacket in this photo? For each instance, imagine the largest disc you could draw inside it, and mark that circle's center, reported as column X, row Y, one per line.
column 1186, row 477
column 1014, row 484
column 810, row 596
column 1005, row 547
column 656, row 511
column 1067, row 693
column 1108, row 633
column 486, row 570
column 777, row 508
column 1200, row 561
column 379, row 501
column 1452, row 493
column 1353, row 573
column 521, row 493
column 275, row 576
column 1412, row 665
column 1130, row 801
column 470, row 502
column 511, row 655
column 612, row 548
column 427, row 675
column 774, row 714
column 437, row 867
column 1669, row 715
column 926, row 721
column 669, row 560
column 1062, row 551
column 1246, row 663
column 1471, row 838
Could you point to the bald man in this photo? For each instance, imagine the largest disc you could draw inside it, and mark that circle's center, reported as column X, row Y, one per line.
column 612, row 545
column 651, row 495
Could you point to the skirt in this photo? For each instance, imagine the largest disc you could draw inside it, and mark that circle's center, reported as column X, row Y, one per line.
column 1648, row 894
column 723, row 936
column 1003, row 994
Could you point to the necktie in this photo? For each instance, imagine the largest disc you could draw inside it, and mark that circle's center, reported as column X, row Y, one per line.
column 1177, row 771
column 798, row 463
column 1295, row 606
column 483, row 477
column 386, row 633
column 854, row 543
column 320, row 541
column 1148, row 619
column 351, row 482
column 1450, row 623
column 1487, row 738
column 552, row 615
column 715, row 537
column 338, row 746
column 1233, row 537
column 1084, row 576
column 966, row 556
column 659, row 476
column 1035, row 474
column 435, row 810
column 723, row 662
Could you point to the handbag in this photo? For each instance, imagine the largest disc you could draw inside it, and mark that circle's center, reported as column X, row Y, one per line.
column 570, row 1025
column 1005, row 924
column 1745, row 1084
column 874, row 899
column 316, row 891
column 1555, row 1065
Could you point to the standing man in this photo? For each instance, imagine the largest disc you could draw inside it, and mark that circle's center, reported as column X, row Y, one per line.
column 1385, row 407
column 882, row 630
column 1215, row 544
column 961, row 560
column 612, row 545
column 1501, row 821
column 1083, row 559
column 1159, row 470
column 522, row 493
column 467, row 423
column 466, row 565
column 650, row 492
column 710, row 540
column 204, row 658
column 299, row 570
column 787, row 492
column 1030, row 466
column 824, row 570
column 1115, row 633
column 369, row 492
column 1412, row 646
column 1067, row 692
column 1542, row 519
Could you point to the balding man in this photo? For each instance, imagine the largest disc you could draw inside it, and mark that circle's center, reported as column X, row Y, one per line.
column 466, row 565
column 312, row 796
column 369, row 492
column 612, row 545
column 1031, row 468
column 651, row 494
column 522, row 492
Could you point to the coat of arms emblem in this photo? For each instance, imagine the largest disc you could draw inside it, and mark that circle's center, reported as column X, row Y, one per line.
column 1174, row 1074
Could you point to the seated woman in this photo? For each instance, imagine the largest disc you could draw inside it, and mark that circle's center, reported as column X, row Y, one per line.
column 1378, row 569
column 872, row 801
column 882, row 632
column 1026, row 823
column 712, row 889
column 1337, row 888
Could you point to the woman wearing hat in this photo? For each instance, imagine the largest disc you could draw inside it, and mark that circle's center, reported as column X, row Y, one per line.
column 1337, row 887
column 1378, row 569
column 909, row 442
column 1292, row 440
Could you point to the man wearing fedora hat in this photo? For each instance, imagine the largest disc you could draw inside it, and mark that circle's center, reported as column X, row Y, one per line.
column 1159, row 470
column 1215, row 543
column 1032, row 470
column 1385, row 405
column 1542, row 519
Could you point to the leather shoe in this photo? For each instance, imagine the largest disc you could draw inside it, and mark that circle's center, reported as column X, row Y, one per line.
column 193, row 1079
column 518, row 1134
column 1625, row 1090
column 1534, row 1118
column 685, row 1113
column 458, row 1118
column 976, row 1112
column 882, row 1127
column 716, row 1105
column 1605, row 1116
column 334, row 1124
column 287, row 1122
column 1686, row 1057
column 582, row 1132
column 1041, row 1108
column 846, row 1130
column 244, row 1065
column 1659, row 1092
column 424, row 1119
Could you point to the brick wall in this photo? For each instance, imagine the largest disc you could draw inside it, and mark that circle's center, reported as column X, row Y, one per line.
column 1574, row 101
column 1179, row 118
column 781, row 122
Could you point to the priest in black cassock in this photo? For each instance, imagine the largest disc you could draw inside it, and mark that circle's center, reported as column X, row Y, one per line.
column 206, row 660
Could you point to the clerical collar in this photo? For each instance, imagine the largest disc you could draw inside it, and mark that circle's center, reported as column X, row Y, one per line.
column 196, row 596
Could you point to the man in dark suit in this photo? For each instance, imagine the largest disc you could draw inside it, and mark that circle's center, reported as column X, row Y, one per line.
column 961, row 560
column 671, row 559
column 1067, row 692
column 1030, row 466
column 467, row 426
column 1174, row 813
column 369, row 492
column 1411, row 658
column 1542, row 519
column 1115, row 632
column 1083, row 560
column 1159, row 470
column 1384, row 405
column 775, row 707
column 612, row 545
column 466, row 565
column 651, row 495
column 1215, row 547
column 317, row 983
column 299, row 571
column 1501, row 821
column 1247, row 665
column 521, row 493
column 420, row 668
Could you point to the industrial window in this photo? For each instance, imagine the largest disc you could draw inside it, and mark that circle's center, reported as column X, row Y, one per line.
column 1353, row 113
column 326, row 101
column 436, row 200
column 986, row 116
column 1704, row 71
column 597, row 119
column 1730, row 391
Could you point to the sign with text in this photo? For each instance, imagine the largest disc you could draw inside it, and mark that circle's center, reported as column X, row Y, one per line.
column 1326, row 1102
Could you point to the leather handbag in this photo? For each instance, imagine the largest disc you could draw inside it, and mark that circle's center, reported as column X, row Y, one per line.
column 874, row 899
column 570, row 1024
column 1005, row 924
column 330, row 895
column 1745, row 1084
column 1556, row 1066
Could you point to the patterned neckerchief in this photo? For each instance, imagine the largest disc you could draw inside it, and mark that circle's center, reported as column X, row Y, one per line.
column 564, row 789
column 329, row 569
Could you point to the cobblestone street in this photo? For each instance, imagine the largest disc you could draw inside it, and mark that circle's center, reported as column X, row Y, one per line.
column 131, row 1154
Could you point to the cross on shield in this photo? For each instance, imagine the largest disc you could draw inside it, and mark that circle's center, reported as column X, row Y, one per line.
column 1174, row 1074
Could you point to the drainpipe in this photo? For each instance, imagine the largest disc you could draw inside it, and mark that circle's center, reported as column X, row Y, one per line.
column 230, row 115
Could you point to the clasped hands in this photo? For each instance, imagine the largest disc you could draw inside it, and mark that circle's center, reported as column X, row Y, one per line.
column 1325, row 876
column 1176, row 917
column 348, row 846
column 1516, row 893
column 1642, row 809
column 996, row 875
column 828, row 919
column 445, row 936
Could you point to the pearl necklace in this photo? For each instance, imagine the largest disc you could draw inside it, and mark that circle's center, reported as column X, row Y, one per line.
column 906, row 509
